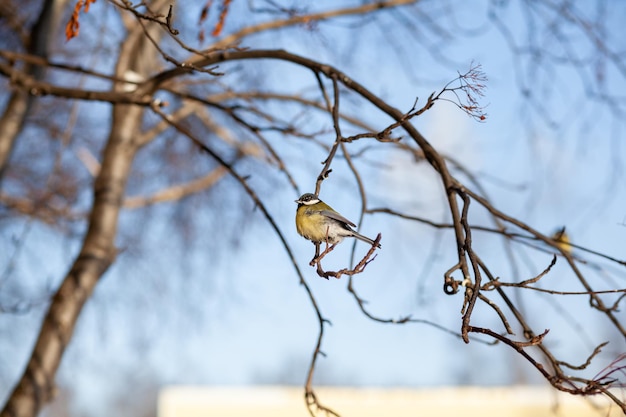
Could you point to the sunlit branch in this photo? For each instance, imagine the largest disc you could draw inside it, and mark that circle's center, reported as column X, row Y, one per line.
column 177, row 192
column 234, row 38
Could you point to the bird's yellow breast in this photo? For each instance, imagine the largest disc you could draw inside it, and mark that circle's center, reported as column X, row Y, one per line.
column 311, row 224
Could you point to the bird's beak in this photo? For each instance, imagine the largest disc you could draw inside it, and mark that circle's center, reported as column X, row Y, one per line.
column 296, row 201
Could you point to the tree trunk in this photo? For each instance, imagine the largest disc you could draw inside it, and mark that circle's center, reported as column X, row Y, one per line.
column 36, row 386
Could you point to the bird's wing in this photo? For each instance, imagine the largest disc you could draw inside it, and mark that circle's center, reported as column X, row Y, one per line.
column 336, row 216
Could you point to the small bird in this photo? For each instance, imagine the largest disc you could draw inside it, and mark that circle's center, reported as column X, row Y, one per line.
column 318, row 222
column 562, row 240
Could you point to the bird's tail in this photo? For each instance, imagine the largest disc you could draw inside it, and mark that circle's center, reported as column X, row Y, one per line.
column 365, row 239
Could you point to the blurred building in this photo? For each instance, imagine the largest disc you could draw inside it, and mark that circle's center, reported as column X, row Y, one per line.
column 269, row 401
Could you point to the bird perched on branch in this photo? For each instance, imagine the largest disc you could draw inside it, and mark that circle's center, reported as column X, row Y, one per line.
column 562, row 240
column 318, row 222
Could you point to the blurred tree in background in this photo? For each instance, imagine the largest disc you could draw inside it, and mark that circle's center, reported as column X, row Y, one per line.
column 121, row 118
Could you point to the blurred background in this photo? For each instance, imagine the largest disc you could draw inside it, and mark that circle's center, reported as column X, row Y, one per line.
column 203, row 292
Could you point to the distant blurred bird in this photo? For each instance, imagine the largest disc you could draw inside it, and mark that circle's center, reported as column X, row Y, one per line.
column 318, row 222
column 561, row 238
